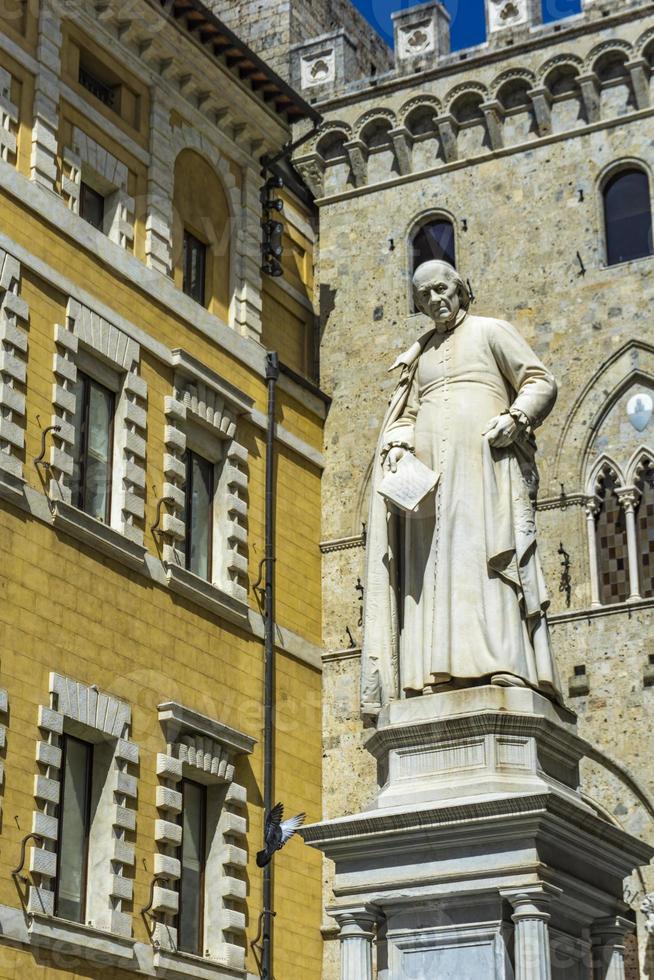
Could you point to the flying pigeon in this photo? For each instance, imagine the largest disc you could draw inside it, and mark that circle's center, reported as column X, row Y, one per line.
column 277, row 832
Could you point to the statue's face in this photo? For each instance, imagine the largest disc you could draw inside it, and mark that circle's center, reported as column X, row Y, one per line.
column 437, row 294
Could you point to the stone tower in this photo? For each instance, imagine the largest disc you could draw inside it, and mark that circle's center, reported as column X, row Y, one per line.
column 517, row 149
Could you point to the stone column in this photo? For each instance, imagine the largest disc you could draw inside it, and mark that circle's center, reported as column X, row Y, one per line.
column 639, row 73
column 356, row 936
column 628, row 497
column 607, row 936
column 532, row 940
column 592, row 506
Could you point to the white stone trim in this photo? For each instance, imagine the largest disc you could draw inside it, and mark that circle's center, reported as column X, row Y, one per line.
column 105, row 720
column 8, row 119
column 206, row 404
column 89, row 161
column 13, row 366
column 112, row 346
column 204, row 750
column 47, row 93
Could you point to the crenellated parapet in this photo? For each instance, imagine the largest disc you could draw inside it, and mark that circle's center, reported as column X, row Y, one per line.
column 451, row 118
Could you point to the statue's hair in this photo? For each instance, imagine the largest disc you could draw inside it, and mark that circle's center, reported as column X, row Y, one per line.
column 464, row 292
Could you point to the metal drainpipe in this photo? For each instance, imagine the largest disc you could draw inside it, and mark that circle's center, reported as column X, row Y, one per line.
column 272, row 374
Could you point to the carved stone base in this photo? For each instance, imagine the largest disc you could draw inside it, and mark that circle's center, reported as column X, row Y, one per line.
column 481, row 859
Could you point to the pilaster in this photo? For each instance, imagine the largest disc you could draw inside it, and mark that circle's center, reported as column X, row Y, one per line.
column 532, row 940
column 43, row 164
column 608, row 937
column 356, row 938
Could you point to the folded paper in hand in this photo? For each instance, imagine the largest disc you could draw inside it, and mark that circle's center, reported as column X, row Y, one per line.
column 410, row 483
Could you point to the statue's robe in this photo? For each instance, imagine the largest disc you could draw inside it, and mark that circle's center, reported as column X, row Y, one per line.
column 456, row 591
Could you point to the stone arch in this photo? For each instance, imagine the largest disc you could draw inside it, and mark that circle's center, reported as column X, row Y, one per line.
column 644, row 46
column 379, row 115
column 330, row 141
column 476, row 88
column 608, row 172
column 633, row 363
column 643, row 454
column 187, row 138
column 520, row 78
column 559, row 61
column 336, row 127
column 597, row 472
column 414, row 106
column 615, row 45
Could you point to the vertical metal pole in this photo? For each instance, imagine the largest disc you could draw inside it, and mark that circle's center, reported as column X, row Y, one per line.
column 272, row 374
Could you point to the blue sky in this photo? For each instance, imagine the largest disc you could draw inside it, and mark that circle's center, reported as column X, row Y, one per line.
column 468, row 25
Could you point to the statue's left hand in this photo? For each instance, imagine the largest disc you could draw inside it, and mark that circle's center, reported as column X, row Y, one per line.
column 501, row 431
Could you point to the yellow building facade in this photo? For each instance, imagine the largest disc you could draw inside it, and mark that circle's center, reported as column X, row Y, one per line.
column 134, row 323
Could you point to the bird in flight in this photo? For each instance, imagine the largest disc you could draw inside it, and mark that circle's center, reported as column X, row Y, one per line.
column 277, row 832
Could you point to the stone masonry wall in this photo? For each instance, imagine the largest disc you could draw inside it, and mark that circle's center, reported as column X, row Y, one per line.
column 526, row 207
column 271, row 27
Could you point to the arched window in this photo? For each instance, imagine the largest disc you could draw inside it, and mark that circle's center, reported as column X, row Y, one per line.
column 627, row 216
column 645, row 528
column 201, row 233
column 433, row 240
column 611, row 541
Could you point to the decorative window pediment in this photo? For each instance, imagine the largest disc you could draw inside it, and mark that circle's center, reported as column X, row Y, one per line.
column 201, row 750
column 204, row 415
column 86, row 339
column 83, row 712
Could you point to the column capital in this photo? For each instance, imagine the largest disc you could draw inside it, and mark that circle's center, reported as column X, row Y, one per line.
column 356, row 920
column 628, row 497
column 593, row 505
column 610, row 931
column 531, row 903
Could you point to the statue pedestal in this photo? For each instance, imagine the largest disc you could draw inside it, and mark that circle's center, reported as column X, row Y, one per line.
column 481, row 859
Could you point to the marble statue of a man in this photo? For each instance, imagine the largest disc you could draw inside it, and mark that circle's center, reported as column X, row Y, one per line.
column 454, row 592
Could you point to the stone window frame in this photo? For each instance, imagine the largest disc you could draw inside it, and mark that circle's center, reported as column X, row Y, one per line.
column 88, row 333
column 9, row 117
column 14, row 315
column 204, row 750
column 629, row 496
column 203, row 402
column 607, row 173
column 89, row 162
column 83, row 710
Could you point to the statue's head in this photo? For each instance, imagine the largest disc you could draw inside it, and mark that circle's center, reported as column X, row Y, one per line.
column 439, row 291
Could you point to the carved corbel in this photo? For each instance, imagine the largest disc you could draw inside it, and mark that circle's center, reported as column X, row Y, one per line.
column 311, row 168
column 494, row 115
column 358, row 156
column 402, row 148
column 590, row 93
column 639, row 73
column 541, row 101
column 447, row 131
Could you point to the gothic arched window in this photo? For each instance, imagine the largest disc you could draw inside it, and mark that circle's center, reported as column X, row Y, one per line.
column 611, row 541
column 627, row 216
column 433, row 240
column 645, row 528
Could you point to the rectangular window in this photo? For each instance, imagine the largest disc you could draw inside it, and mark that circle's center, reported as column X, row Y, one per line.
column 190, row 924
column 198, row 515
column 92, row 453
column 102, row 90
column 194, row 261
column 91, row 206
column 74, row 829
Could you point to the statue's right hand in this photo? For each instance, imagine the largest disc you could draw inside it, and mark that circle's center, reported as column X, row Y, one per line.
column 393, row 457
